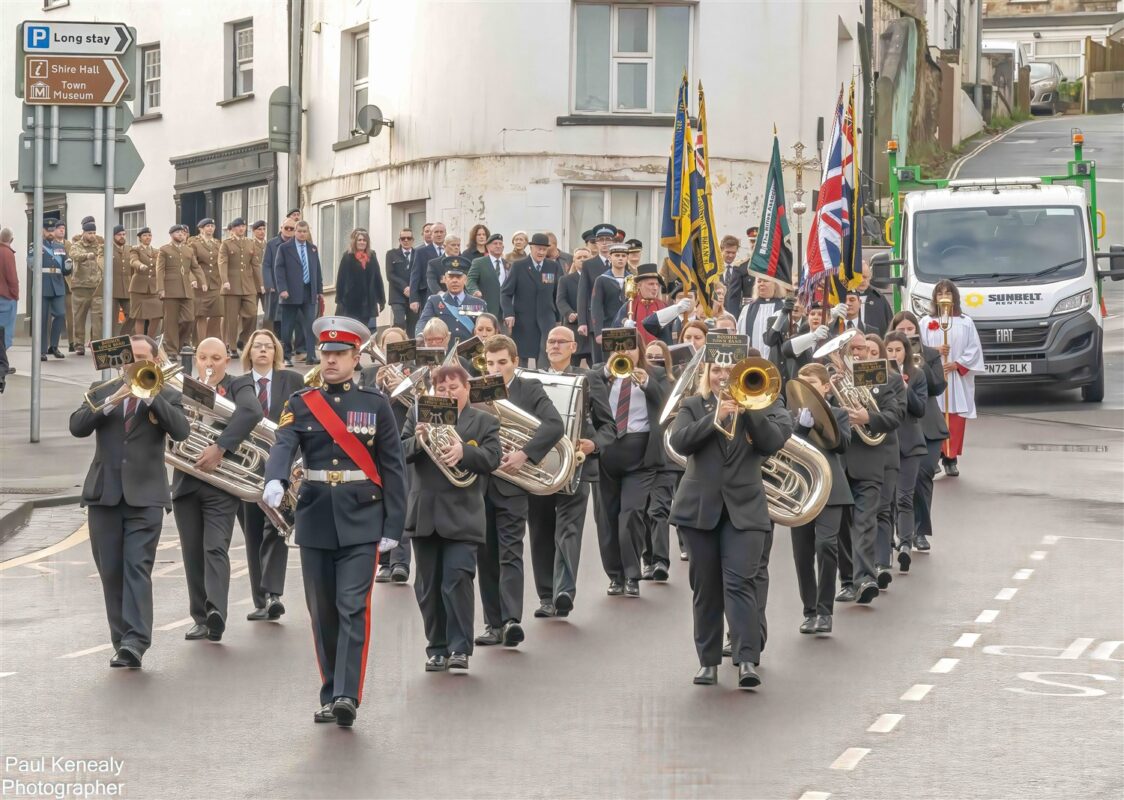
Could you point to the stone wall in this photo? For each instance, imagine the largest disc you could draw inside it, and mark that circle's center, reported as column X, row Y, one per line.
column 1015, row 8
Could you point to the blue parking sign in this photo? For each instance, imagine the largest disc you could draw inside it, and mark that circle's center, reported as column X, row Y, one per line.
column 36, row 37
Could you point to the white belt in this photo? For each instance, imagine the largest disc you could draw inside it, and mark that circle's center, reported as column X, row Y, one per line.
column 51, row 270
column 334, row 476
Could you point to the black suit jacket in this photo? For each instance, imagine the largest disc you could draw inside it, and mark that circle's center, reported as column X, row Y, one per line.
column 725, row 472
column 483, row 278
column 598, row 423
column 739, row 286
column 398, row 274
column 529, row 297
column 655, row 395
column 531, row 397
column 286, row 382
column 592, row 269
column 437, row 506
column 289, row 273
column 840, row 494
column 911, row 436
column 932, row 424
column 129, row 468
column 877, row 312
column 419, row 289
column 567, row 301
column 608, row 297
column 247, row 414
column 863, row 461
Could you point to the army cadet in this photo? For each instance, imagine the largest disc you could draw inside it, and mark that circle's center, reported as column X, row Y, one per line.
column 87, row 255
column 121, row 276
column 177, row 275
column 240, row 272
column 145, row 306
column 351, row 506
column 456, row 308
column 208, row 303
column 56, row 266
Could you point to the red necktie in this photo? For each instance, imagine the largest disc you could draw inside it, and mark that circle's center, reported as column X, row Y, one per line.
column 622, row 406
column 130, row 413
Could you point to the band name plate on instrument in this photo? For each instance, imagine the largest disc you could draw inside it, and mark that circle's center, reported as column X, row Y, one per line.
column 112, row 353
column 429, row 356
column 468, row 348
column 201, row 393
column 726, row 348
column 401, row 352
column 616, row 340
column 488, row 389
column 871, row 373
column 437, row 410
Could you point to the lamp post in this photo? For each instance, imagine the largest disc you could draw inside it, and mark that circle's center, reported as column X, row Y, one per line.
column 798, row 207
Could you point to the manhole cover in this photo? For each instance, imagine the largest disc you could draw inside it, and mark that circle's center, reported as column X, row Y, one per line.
column 1067, row 448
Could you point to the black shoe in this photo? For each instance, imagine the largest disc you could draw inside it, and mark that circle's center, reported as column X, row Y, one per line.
column 646, row 572
column 490, row 636
column 563, row 604
column 727, row 647
column 706, row 676
column 545, row 610
column 215, row 626
column 436, row 664
column 458, row 661
column 682, row 555
column 904, row 559
column 58, row 353
column 345, row 710
column 43, row 357
column 921, row 543
column 867, row 591
column 258, row 615
column 324, row 714
column 69, row 347
column 951, row 470
column 274, row 607
column 11, row 370
column 196, row 632
column 660, row 573
column 809, row 624
column 399, row 573
column 823, row 623
column 383, row 575
column 512, row 633
column 79, row 350
column 631, row 587
column 747, row 676
column 846, row 595
column 126, row 657
column 885, row 578
column 288, row 362
column 616, row 589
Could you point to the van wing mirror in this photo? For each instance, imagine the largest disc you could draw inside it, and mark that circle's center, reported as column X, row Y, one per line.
column 1115, row 257
column 881, row 271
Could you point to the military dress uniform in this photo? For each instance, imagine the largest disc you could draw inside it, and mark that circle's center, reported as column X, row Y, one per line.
column 344, row 513
column 208, row 302
column 85, row 284
column 121, row 275
column 176, row 268
column 459, row 312
column 144, row 298
column 240, row 268
column 56, row 267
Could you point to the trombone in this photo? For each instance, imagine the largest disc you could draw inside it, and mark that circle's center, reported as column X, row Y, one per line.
column 145, row 379
column 754, row 384
column 621, row 366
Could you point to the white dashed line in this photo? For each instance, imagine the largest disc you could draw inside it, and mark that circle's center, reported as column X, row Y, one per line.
column 885, row 723
column 967, row 640
column 179, row 623
column 1038, row 555
column 1022, row 575
column 850, row 758
column 1048, row 539
column 87, row 651
column 6, row 674
column 945, row 665
column 987, row 615
column 1006, row 594
column 815, row 795
column 917, row 692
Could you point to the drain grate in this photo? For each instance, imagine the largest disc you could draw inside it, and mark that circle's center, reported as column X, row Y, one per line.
column 1067, row 448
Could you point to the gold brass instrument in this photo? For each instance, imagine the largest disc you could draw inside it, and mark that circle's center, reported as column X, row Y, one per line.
column 517, row 427
column 849, row 396
column 630, row 291
column 479, row 362
column 621, row 366
column 944, row 320
column 435, row 440
column 754, row 384
column 825, row 432
column 145, row 380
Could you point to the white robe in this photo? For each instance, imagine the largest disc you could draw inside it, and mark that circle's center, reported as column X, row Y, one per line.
column 964, row 348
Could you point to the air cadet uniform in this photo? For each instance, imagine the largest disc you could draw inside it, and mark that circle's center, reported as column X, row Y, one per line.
column 177, row 274
column 88, row 257
column 208, row 300
column 351, row 504
column 240, row 270
column 121, row 275
column 144, row 297
column 459, row 312
column 56, row 266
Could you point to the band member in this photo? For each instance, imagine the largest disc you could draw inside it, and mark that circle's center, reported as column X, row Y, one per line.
column 963, row 357
column 501, row 559
column 486, row 326
column 815, row 545
column 267, row 554
column 556, row 520
column 56, row 267
column 204, row 512
column 240, row 271
column 527, row 300
column 454, row 306
column 655, row 559
column 351, row 505
column 178, row 275
column 446, row 523
column 867, row 466
column 436, row 334
column 208, row 301
column 757, row 315
column 126, row 500
column 145, row 307
column 608, row 296
column 883, row 547
column 911, row 442
column 628, row 468
column 694, row 333
column 646, row 303
column 721, row 510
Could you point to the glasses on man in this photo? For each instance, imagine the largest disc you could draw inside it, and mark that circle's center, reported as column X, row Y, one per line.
column 405, row 238
column 559, row 341
column 288, row 229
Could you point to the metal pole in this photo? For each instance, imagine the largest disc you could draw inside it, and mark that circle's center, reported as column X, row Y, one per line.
column 99, row 115
column 37, row 326
column 295, row 13
column 107, row 318
column 979, row 47
column 54, row 158
column 868, row 103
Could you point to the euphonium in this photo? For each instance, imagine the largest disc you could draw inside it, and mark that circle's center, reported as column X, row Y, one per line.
column 435, row 440
column 849, row 396
column 517, row 427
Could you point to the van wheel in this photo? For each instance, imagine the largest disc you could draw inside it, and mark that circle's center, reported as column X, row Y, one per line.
column 1094, row 392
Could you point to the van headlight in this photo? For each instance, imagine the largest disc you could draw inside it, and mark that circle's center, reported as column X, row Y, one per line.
column 1077, row 302
column 922, row 306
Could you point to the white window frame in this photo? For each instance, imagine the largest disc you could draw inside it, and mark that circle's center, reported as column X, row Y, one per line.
column 133, row 218
column 238, row 62
column 651, row 239
column 252, row 216
column 227, row 214
column 358, row 84
column 339, row 238
column 149, row 81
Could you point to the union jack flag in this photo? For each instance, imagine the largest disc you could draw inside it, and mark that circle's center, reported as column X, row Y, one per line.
column 832, row 221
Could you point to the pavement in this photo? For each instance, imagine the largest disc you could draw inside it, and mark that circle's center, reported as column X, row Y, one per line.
column 992, row 670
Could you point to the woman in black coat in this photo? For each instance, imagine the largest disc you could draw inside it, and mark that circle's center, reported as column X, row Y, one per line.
column 567, row 301
column 911, row 441
column 359, row 289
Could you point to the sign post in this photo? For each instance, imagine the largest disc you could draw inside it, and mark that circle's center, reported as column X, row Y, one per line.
column 37, row 326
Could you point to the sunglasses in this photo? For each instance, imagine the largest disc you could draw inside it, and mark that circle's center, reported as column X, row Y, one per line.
column 405, row 238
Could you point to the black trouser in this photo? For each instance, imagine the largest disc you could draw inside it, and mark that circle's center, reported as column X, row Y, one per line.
column 815, row 551
column 556, row 522
column 657, row 532
column 205, row 519
column 624, row 487
column 858, row 533
column 721, row 574
column 54, row 309
column 884, row 554
column 123, row 539
column 298, row 317
column 761, row 583
column 337, row 587
column 267, row 554
column 443, row 586
column 904, row 499
column 501, row 557
column 401, row 553
column 923, row 497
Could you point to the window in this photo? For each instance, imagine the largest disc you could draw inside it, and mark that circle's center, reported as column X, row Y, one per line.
column 629, row 59
column 635, row 209
column 360, row 68
column 133, row 220
column 230, row 208
column 1067, row 54
column 243, row 58
column 257, row 204
column 150, row 71
column 327, row 243
column 337, row 220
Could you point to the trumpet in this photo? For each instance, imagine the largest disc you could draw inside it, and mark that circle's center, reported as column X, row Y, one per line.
column 621, row 366
column 144, row 378
column 754, row 384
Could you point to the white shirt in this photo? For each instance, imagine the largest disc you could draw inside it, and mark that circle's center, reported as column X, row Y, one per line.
column 965, row 349
column 501, row 268
column 268, row 386
column 637, row 405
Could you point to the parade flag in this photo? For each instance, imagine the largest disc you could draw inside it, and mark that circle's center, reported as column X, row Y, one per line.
column 829, row 224
column 675, row 224
column 704, row 241
column 771, row 254
column 850, row 266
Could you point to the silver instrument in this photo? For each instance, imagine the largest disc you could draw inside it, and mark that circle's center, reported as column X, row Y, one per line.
column 406, row 396
column 435, row 440
column 568, row 394
column 849, row 396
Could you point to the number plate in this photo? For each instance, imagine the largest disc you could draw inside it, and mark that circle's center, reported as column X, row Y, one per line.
column 1008, row 367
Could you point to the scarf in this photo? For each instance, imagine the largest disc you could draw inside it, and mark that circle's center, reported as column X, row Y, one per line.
column 363, row 256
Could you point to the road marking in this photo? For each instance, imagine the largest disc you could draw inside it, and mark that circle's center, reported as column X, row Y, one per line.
column 240, row 573
column 42, row 568
column 967, row 639
column 165, row 572
column 1022, row 575
column 960, row 162
column 916, row 693
column 885, row 723
column 80, row 535
column 6, row 674
column 986, row 616
column 179, row 623
column 87, row 651
column 238, row 547
column 1049, row 539
column 1006, row 594
column 1038, row 555
column 166, row 545
column 815, row 795
column 1091, row 538
column 850, row 758
column 945, row 665
column 1109, row 180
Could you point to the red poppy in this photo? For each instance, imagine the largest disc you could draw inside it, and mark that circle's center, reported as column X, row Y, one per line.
column 934, row 325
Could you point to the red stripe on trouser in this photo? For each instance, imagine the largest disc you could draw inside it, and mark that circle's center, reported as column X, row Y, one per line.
column 366, row 633
column 954, row 445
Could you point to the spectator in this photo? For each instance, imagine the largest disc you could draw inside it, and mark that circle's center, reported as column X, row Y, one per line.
column 300, row 288
column 518, row 248
column 562, row 257
column 567, row 300
column 9, row 288
column 435, row 270
column 359, row 290
column 476, row 245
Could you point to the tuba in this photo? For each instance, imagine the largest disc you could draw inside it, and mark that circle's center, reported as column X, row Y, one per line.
column 568, row 394
column 849, row 396
column 550, row 475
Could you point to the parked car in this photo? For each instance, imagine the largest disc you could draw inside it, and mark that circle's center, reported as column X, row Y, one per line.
column 1045, row 80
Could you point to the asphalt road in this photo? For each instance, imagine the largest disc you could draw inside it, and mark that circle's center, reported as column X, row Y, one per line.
column 992, row 670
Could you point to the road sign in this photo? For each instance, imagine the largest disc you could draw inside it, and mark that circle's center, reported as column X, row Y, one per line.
column 279, row 127
column 74, row 171
column 79, row 118
column 91, row 38
column 73, row 80
column 126, row 61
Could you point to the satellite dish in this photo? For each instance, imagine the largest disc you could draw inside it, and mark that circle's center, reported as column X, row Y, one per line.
column 370, row 121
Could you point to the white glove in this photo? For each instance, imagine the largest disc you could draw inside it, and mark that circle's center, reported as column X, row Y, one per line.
column 822, row 332
column 839, row 311
column 273, row 493
column 630, row 323
column 386, row 545
column 805, row 419
column 665, row 316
